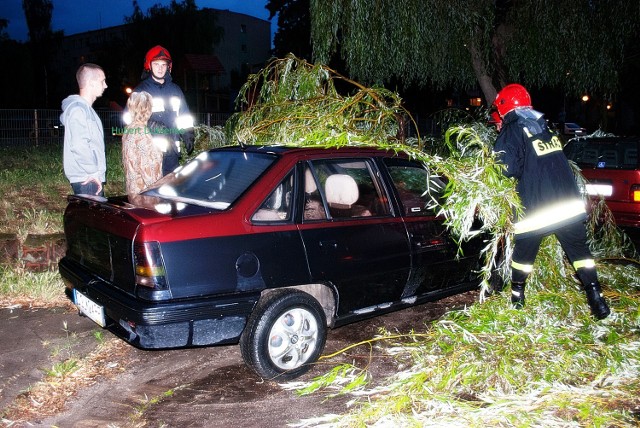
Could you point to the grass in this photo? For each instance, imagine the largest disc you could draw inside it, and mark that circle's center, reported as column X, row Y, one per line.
column 550, row 364
column 137, row 417
column 33, row 188
column 19, row 286
column 62, row 368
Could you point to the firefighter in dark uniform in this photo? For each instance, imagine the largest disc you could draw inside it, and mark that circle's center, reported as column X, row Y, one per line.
column 549, row 194
column 171, row 124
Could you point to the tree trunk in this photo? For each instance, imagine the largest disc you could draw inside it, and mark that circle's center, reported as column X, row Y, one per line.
column 484, row 79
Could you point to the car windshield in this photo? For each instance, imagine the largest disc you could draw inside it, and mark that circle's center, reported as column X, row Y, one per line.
column 214, row 179
column 604, row 153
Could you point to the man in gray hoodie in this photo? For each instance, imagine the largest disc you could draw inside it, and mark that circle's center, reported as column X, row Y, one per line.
column 84, row 159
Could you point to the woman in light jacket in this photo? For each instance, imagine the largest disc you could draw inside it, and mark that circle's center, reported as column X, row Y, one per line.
column 141, row 158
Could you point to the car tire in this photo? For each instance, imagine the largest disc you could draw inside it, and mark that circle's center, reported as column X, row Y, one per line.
column 496, row 281
column 284, row 335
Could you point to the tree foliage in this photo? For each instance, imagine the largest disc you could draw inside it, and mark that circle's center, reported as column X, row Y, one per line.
column 180, row 25
column 294, row 28
column 17, row 83
column 4, row 23
column 43, row 43
column 38, row 15
column 574, row 45
column 475, row 360
column 293, row 102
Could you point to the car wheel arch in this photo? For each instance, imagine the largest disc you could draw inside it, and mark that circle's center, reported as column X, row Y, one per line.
column 325, row 295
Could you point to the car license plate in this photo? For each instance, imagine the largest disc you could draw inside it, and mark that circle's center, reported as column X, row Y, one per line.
column 599, row 189
column 90, row 308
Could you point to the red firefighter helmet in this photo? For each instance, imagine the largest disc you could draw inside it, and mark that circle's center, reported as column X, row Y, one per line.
column 157, row 53
column 511, row 97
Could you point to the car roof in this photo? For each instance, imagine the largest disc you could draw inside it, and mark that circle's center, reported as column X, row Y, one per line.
column 302, row 150
column 603, row 140
column 604, row 153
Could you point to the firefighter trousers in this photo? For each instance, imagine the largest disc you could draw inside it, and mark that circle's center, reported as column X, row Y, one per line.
column 572, row 238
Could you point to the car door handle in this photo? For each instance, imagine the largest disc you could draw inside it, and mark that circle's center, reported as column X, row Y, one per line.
column 330, row 244
column 425, row 242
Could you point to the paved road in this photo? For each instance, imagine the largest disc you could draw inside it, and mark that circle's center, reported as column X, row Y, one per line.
column 207, row 386
column 33, row 340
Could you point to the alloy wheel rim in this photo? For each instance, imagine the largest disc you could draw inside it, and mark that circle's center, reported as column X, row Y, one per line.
column 293, row 338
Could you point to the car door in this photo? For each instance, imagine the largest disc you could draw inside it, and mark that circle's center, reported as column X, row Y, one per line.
column 351, row 238
column 434, row 264
column 273, row 253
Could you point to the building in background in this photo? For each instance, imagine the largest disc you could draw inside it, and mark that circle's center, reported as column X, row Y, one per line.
column 210, row 80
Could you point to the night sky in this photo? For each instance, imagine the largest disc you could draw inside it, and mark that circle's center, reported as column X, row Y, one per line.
column 77, row 16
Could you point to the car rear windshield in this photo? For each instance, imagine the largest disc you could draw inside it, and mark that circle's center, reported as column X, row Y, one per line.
column 620, row 153
column 214, row 179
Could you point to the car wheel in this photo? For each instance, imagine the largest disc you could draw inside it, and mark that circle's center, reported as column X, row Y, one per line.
column 496, row 281
column 285, row 334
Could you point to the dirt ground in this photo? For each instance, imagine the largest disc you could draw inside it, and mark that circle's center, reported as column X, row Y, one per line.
column 200, row 387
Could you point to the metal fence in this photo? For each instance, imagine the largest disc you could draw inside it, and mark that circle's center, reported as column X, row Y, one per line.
column 34, row 127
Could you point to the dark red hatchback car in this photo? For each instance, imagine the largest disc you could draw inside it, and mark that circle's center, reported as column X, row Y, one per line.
column 265, row 246
column 612, row 168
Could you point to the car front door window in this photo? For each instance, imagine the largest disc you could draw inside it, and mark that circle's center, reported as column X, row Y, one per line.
column 348, row 188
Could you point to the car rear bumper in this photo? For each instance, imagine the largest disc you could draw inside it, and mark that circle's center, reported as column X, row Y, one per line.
column 627, row 221
column 178, row 323
column 624, row 213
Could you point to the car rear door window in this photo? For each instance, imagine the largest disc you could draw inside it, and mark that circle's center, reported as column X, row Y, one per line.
column 278, row 206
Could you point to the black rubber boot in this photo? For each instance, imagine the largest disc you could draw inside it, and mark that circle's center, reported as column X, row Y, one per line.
column 517, row 295
column 598, row 305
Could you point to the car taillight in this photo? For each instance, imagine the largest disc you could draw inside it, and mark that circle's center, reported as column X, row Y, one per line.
column 635, row 193
column 150, row 271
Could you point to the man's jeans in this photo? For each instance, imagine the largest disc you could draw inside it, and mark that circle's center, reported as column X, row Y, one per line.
column 86, row 189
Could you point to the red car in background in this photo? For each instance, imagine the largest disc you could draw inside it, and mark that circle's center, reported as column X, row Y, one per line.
column 571, row 129
column 612, row 168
